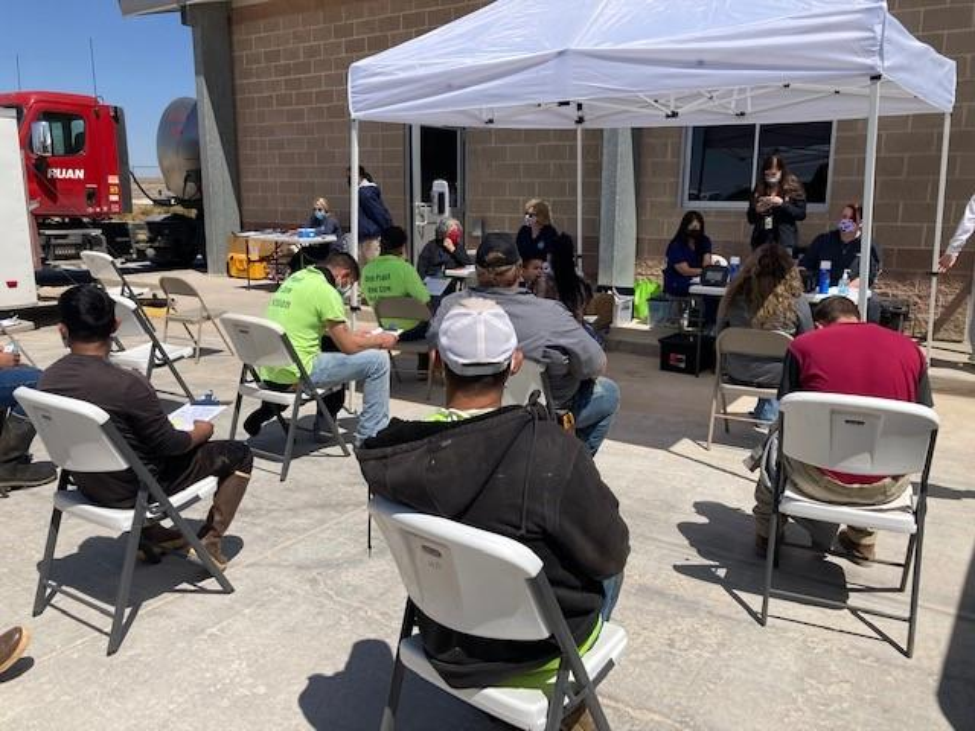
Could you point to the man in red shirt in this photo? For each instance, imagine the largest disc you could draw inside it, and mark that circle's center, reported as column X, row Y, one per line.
column 844, row 355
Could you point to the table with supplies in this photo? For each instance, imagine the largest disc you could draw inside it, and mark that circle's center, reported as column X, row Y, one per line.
column 279, row 241
column 700, row 292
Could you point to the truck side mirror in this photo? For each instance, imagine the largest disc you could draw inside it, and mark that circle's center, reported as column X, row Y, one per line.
column 41, row 142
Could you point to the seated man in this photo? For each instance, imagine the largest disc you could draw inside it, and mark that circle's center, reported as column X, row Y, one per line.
column 844, row 355
column 16, row 431
column 548, row 334
column 308, row 305
column 176, row 458
column 390, row 275
column 511, row 471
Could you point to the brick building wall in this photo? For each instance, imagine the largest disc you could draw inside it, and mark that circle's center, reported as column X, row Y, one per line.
column 290, row 64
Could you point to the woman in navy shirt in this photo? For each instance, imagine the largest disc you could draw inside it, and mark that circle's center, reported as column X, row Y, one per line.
column 687, row 254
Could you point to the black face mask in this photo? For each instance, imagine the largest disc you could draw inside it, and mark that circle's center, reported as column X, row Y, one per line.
column 694, row 234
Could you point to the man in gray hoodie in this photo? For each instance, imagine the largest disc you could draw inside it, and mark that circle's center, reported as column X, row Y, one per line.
column 547, row 333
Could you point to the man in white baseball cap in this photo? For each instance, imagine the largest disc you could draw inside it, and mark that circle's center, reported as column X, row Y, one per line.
column 511, row 470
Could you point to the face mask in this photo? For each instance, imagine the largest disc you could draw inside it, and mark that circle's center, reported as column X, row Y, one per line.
column 847, row 225
column 454, row 236
column 693, row 233
column 320, row 215
column 773, row 179
column 529, row 219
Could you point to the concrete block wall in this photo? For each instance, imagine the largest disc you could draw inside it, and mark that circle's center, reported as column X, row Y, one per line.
column 290, row 63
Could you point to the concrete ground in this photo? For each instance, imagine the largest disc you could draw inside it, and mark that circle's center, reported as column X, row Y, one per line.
column 305, row 641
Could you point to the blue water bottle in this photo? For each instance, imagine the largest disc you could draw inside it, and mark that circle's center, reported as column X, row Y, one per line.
column 734, row 264
column 824, row 270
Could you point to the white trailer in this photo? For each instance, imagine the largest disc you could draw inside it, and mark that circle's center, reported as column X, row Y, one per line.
column 18, row 244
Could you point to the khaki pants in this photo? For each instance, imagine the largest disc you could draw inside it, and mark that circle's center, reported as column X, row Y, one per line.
column 811, row 482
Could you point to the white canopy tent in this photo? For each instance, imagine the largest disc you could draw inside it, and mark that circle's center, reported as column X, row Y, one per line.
column 651, row 63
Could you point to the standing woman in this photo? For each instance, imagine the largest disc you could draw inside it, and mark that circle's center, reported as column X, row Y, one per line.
column 777, row 203
column 537, row 233
column 374, row 217
column 767, row 294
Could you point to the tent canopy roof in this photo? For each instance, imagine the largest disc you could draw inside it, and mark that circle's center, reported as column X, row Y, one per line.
column 646, row 63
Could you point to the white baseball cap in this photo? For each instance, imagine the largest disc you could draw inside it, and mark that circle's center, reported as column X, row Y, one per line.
column 476, row 338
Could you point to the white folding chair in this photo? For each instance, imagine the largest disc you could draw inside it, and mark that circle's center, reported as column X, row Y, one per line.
column 747, row 342
column 259, row 342
column 529, row 380
column 104, row 270
column 185, row 305
column 149, row 355
column 405, row 308
column 862, row 436
column 483, row 584
column 80, row 438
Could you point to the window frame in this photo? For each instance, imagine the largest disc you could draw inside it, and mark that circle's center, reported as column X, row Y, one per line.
column 685, row 202
column 74, row 116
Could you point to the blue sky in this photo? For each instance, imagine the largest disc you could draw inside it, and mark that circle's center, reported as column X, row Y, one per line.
column 141, row 63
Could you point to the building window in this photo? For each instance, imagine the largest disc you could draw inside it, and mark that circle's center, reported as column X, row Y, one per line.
column 67, row 132
column 723, row 162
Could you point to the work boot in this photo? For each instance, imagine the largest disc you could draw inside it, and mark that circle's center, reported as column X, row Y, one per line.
column 16, row 469
column 225, row 503
column 859, row 553
column 257, row 418
column 13, row 642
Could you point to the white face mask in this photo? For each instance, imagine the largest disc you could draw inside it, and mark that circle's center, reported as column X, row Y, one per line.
column 773, row 179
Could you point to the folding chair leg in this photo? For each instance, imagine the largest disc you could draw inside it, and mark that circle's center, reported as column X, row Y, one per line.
column 724, row 410
column 596, row 711
column 399, row 670
column 290, row 439
column 908, row 558
column 332, row 424
column 714, row 408
column 915, row 588
column 236, row 416
column 40, row 597
column 556, row 704
column 201, row 553
column 199, row 339
column 128, row 569
column 222, row 336
column 769, row 564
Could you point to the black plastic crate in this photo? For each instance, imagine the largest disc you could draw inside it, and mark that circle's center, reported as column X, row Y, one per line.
column 678, row 353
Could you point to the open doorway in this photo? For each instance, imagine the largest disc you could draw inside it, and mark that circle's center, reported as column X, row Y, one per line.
column 433, row 153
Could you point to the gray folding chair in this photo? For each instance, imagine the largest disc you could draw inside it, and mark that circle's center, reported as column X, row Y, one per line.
column 862, row 436
column 259, row 342
column 405, row 308
column 748, row 342
column 483, row 584
column 185, row 305
column 149, row 355
column 80, row 438
column 104, row 270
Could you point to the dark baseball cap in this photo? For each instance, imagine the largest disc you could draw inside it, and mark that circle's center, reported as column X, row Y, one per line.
column 497, row 249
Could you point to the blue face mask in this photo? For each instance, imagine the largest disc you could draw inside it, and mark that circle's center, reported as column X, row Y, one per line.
column 320, row 215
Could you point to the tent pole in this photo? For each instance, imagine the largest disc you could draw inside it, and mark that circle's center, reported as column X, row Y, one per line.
column 354, row 233
column 579, row 198
column 938, row 224
column 869, row 184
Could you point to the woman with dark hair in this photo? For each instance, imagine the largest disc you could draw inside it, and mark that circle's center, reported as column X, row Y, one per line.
column 767, row 294
column 564, row 283
column 841, row 248
column 777, row 202
column 687, row 254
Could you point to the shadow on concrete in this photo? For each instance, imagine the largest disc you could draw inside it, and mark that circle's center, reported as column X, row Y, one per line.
column 353, row 699
column 17, row 669
column 726, row 541
column 93, row 571
column 956, row 691
column 944, row 492
column 271, row 440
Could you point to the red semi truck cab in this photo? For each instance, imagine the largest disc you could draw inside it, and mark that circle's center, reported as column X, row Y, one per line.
column 76, row 155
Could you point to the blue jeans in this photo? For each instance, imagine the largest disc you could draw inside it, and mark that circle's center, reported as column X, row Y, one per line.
column 594, row 409
column 611, row 594
column 369, row 366
column 13, row 378
column 767, row 409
